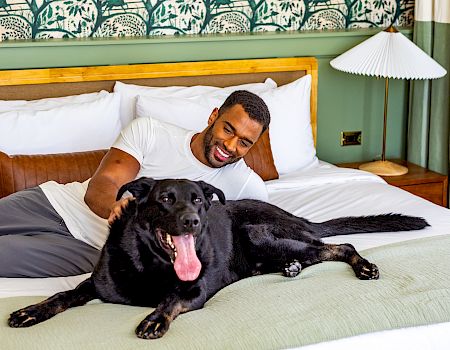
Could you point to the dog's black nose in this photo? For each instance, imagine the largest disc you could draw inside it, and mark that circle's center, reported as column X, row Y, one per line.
column 190, row 220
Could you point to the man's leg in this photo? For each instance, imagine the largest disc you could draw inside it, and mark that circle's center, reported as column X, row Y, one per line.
column 45, row 255
column 35, row 242
column 29, row 211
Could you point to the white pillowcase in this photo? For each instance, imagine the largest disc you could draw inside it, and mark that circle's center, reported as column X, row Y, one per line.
column 290, row 128
column 67, row 128
column 290, row 131
column 129, row 93
column 191, row 113
column 49, row 103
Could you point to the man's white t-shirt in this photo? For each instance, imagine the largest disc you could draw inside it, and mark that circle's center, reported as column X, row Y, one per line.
column 163, row 151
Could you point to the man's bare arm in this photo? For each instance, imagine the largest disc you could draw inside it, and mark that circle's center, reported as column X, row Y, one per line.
column 116, row 169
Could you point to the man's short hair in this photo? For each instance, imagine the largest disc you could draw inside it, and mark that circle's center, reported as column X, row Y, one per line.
column 253, row 105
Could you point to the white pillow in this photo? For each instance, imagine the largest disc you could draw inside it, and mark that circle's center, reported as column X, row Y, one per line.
column 69, row 128
column 191, row 113
column 290, row 128
column 129, row 93
column 49, row 103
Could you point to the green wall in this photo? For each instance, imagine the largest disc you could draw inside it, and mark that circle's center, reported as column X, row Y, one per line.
column 352, row 103
column 346, row 102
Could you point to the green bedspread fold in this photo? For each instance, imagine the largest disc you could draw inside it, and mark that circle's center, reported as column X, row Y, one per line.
column 325, row 302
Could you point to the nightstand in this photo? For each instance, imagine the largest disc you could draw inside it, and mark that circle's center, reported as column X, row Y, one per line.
column 419, row 181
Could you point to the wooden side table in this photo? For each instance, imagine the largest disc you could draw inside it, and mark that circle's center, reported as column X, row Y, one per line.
column 419, row 181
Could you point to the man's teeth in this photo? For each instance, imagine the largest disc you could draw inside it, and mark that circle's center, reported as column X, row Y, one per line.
column 222, row 153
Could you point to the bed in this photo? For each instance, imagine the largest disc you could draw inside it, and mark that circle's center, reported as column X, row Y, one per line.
column 325, row 307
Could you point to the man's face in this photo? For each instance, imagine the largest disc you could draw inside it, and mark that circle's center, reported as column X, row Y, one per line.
column 230, row 136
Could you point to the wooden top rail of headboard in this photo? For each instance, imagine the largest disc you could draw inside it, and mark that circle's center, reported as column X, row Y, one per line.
column 94, row 78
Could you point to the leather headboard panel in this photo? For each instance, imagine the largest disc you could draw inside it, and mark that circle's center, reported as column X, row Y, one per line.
column 25, row 171
column 19, row 172
column 260, row 158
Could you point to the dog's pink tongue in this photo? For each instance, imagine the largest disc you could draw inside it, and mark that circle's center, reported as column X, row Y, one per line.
column 187, row 266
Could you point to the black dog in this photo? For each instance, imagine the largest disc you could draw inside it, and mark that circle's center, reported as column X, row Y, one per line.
column 172, row 248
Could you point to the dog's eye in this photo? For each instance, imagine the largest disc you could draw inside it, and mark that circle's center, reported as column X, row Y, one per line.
column 198, row 200
column 165, row 199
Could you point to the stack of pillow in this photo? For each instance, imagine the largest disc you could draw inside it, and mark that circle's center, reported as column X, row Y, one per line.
column 93, row 121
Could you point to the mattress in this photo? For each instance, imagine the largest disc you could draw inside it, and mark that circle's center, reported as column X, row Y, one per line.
column 318, row 194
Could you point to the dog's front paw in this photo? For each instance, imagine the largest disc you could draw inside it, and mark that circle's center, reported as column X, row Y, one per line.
column 152, row 327
column 26, row 317
column 365, row 270
column 292, row 269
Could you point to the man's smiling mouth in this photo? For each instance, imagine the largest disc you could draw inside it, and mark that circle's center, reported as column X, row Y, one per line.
column 221, row 155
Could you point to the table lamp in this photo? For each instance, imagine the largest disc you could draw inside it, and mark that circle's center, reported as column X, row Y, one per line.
column 388, row 54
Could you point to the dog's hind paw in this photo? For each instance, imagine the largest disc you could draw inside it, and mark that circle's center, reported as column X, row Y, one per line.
column 365, row 270
column 292, row 269
column 152, row 327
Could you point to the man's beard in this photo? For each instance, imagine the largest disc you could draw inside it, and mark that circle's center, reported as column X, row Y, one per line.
column 209, row 147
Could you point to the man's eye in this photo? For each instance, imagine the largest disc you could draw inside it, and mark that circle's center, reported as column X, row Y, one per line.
column 228, row 131
column 198, row 200
column 244, row 144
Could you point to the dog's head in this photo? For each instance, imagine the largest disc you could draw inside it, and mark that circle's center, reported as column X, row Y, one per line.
column 177, row 217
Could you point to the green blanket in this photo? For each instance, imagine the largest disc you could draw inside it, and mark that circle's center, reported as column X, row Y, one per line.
column 325, row 302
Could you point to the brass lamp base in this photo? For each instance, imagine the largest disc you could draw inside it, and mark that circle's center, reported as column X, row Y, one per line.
column 384, row 168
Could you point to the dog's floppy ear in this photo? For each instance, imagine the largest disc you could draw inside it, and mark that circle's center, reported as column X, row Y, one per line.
column 139, row 188
column 209, row 190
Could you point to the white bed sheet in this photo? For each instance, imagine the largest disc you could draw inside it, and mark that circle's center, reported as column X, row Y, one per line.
column 429, row 337
column 321, row 193
column 326, row 192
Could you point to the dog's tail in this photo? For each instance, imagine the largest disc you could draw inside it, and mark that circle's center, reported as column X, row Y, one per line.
column 367, row 224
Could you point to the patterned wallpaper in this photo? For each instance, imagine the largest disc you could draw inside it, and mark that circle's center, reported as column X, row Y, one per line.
column 43, row 19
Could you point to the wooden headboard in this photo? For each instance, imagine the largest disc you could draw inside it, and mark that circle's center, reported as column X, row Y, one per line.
column 32, row 84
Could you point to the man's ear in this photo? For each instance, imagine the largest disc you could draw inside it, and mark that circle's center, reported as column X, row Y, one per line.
column 213, row 116
column 139, row 188
column 209, row 190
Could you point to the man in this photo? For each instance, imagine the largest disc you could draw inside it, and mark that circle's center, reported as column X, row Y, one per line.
column 58, row 230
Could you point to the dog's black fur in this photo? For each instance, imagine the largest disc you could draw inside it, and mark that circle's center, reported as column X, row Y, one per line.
column 215, row 243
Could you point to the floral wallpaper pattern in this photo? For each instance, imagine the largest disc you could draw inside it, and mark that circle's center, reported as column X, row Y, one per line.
column 43, row 19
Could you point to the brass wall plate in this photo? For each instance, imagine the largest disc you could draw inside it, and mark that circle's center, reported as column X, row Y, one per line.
column 350, row 138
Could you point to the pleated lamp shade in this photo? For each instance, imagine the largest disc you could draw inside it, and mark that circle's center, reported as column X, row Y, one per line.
column 389, row 54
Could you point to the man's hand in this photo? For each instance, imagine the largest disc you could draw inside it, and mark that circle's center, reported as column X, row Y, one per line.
column 117, row 207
